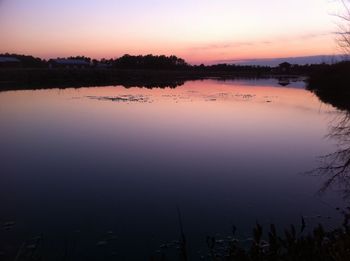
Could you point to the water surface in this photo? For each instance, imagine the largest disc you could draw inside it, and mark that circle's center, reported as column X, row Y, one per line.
column 82, row 166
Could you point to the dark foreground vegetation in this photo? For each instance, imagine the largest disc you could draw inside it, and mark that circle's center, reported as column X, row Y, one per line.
column 296, row 243
column 293, row 245
column 27, row 72
column 332, row 84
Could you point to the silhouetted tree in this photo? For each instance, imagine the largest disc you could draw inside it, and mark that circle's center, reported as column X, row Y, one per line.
column 27, row 61
column 150, row 61
column 336, row 166
column 344, row 27
column 82, row 57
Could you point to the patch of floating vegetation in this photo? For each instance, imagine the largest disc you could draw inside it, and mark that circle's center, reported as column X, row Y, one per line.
column 193, row 96
column 245, row 96
column 211, row 98
column 223, row 94
column 269, row 99
column 122, row 98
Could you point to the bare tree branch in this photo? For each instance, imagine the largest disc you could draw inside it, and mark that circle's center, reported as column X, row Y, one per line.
column 336, row 166
column 343, row 34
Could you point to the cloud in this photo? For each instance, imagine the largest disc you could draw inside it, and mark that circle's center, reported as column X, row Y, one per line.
column 220, row 46
column 315, row 35
column 229, row 45
column 304, row 36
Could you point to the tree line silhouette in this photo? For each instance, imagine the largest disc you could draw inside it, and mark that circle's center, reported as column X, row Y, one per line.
column 172, row 62
column 155, row 62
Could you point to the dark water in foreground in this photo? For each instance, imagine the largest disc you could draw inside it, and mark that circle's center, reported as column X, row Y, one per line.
column 99, row 172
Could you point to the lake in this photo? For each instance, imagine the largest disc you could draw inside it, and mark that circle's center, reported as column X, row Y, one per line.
column 100, row 172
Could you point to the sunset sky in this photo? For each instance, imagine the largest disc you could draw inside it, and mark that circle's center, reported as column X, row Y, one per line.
column 197, row 30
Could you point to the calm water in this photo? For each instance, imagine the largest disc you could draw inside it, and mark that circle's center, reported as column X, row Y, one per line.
column 81, row 166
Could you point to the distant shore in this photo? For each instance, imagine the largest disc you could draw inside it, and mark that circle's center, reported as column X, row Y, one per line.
column 27, row 72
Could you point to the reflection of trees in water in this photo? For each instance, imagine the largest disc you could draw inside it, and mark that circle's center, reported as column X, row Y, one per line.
column 336, row 166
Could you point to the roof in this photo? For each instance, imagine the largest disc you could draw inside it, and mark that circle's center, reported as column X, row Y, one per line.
column 70, row 61
column 6, row 59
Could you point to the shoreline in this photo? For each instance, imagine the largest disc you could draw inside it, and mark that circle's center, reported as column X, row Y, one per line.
column 26, row 79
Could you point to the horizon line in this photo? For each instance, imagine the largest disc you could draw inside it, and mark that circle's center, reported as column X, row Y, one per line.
column 331, row 58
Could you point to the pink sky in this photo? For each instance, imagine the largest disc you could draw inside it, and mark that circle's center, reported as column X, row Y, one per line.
column 197, row 30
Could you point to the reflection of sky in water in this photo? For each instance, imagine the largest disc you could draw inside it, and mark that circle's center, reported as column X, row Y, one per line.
column 110, row 158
